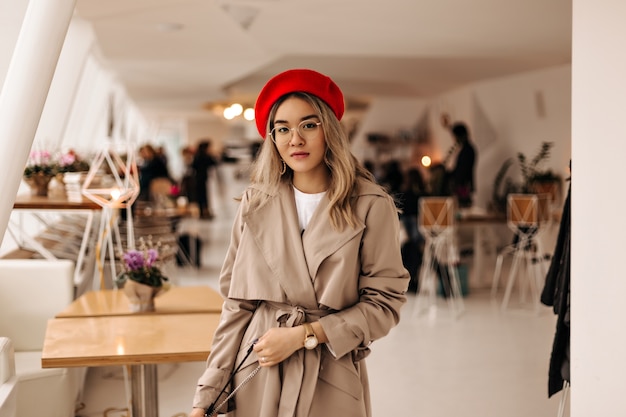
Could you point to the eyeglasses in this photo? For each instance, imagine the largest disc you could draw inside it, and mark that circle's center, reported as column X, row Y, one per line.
column 307, row 130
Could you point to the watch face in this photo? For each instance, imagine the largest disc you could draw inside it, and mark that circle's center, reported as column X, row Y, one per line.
column 310, row 342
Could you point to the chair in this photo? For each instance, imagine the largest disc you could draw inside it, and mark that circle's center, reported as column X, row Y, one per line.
column 436, row 222
column 8, row 379
column 31, row 292
column 160, row 191
column 527, row 214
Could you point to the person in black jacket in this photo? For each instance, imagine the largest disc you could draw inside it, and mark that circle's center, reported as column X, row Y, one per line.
column 462, row 174
column 202, row 164
column 150, row 168
column 411, row 191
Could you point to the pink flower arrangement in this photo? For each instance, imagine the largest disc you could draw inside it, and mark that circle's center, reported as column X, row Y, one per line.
column 40, row 162
column 142, row 265
column 70, row 162
column 44, row 163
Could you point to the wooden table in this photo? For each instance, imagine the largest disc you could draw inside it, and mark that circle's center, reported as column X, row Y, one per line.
column 177, row 300
column 141, row 341
column 35, row 205
column 98, row 329
column 33, row 202
column 128, row 340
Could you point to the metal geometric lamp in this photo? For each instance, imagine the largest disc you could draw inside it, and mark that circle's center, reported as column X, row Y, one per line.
column 118, row 190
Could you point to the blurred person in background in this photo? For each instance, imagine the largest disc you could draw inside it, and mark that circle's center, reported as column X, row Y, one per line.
column 150, row 166
column 462, row 183
column 203, row 164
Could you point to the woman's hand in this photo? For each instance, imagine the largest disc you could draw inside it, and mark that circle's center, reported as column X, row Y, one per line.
column 278, row 343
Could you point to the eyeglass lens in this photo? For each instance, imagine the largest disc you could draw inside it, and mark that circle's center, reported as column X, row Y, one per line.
column 307, row 130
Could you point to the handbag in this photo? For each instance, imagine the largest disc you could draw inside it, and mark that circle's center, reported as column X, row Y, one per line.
column 215, row 407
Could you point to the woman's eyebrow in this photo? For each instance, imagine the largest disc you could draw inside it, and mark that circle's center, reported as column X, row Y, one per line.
column 311, row 116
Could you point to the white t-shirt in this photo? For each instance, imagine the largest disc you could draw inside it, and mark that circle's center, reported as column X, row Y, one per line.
column 306, row 205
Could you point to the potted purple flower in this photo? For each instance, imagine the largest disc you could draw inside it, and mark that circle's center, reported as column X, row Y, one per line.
column 141, row 277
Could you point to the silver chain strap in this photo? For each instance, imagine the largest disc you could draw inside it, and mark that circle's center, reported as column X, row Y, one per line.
column 212, row 410
column 244, row 382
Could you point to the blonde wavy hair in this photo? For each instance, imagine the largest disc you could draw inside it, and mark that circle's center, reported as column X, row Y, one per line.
column 344, row 168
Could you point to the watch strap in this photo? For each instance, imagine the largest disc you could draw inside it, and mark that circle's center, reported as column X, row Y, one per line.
column 308, row 330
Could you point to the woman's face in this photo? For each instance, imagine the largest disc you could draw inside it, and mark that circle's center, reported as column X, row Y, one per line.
column 305, row 156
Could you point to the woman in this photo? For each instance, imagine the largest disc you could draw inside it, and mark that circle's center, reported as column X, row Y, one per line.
column 313, row 270
column 202, row 164
column 151, row 168
column 462, row 175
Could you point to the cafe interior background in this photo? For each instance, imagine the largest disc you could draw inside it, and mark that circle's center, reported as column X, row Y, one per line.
column 163, row 72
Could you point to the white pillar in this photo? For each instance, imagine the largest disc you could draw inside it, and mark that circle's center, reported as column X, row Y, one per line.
column 598, row 222
column 25, row 90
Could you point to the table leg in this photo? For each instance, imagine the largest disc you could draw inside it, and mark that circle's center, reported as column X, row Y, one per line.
column 144, row 391
column 83, row 247
column 479, row 254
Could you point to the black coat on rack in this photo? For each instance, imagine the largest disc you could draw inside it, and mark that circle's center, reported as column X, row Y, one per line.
column 556, row 293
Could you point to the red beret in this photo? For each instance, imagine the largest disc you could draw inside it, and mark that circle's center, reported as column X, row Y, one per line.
column 290, row 81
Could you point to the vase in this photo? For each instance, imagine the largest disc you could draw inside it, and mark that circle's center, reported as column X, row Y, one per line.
column 73, row 182
column 38, row 184
column 140, row 296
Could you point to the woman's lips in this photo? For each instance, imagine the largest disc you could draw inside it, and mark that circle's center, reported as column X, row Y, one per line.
column 299, row 155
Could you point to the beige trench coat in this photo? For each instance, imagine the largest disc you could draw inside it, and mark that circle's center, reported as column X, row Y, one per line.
column 352, row 281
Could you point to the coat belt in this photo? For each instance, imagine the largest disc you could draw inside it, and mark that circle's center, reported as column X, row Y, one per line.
column 304, row 365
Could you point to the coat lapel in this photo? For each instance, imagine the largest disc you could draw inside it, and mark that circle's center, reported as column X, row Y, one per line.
column 277, row 234
column 320, row 240
column 295, row 258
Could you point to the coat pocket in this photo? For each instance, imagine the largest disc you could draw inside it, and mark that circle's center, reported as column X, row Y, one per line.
column 342, row 374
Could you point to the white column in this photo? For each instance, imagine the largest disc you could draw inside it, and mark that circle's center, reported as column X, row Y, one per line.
column 25, row 90
column 598, row 207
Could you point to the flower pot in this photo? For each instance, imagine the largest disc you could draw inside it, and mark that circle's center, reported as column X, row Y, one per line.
column 140, row 296
column 38, row 184
column 73, row 182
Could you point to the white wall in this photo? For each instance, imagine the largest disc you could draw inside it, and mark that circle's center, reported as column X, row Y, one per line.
column 598, row 221
column 83, row 97
column 76, row 110
column 387, row 116
column 215, row 129
column 505, row 116
column 11, row 15
column 65, row 84
column 516, row 114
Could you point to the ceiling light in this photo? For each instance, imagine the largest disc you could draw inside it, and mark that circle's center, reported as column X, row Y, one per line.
column 231, row 111
column 237, row 109
column 248, row 114
column 228, row 113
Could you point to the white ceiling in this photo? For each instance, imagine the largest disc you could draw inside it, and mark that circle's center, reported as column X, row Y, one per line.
column 227, row 49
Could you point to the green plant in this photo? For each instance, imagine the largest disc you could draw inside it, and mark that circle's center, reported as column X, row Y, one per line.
column 531, row 169
column 40, row 163
column 531, row 174
column 44, row 163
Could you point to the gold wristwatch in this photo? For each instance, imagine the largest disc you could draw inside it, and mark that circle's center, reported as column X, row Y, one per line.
column 310, row 340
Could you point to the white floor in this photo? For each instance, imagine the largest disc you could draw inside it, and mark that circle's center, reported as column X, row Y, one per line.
column 485, row 363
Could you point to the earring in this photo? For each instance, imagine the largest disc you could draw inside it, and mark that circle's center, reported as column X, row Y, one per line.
column 282, row 171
